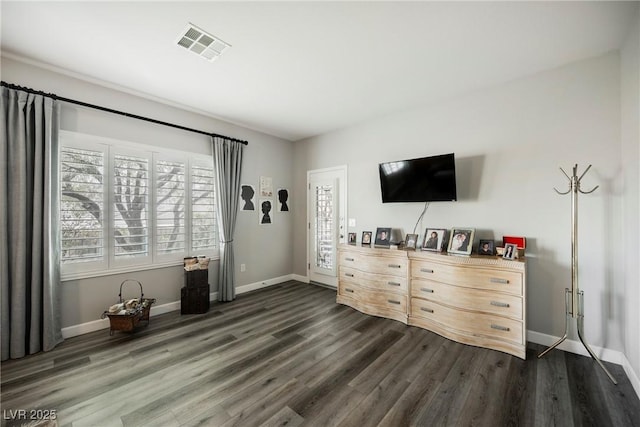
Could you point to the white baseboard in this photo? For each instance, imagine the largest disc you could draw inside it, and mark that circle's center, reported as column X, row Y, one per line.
column 299, row 278
column 96, row 325
column 576, row 347
column 633, row 376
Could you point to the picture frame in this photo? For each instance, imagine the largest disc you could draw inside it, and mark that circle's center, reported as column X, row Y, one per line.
column 411, row 241
column 434, row 239
column 366, row 238
column 283, row 199
column 352, row 238
column 265, row 215
column 486, row 247
column 461, row 241
column 510, row 251
column 247, row 197
column 383, row 236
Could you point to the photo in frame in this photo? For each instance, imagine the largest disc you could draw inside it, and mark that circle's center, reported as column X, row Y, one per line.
column 461, row 241
column 383, row 234
column 366, row 238
column 411, row 241
column 352, row 238
column 434, row 239
column 485, row 247
column 510, row 251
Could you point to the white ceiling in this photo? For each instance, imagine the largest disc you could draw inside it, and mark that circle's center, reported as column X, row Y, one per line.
column 298, row 69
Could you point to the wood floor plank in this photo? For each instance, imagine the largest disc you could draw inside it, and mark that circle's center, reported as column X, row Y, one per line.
column 520, row 394
column 285, row 417
column 553, row 400
column 487, row 391
column 446, row 406
column 288, row 354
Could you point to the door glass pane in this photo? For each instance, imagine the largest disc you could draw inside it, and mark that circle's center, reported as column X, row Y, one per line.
column 324, row 226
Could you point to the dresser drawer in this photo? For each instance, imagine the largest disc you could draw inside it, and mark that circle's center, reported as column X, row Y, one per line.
column 472, row 277
column 381, row 282
column 387, row 265
column 467, row 298
column 470, row 322
column 373, row 298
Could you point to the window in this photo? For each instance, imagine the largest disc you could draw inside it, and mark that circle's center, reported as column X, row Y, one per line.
column 82, row 205
column 170, row 207
column 203, row 213
column 124, row 207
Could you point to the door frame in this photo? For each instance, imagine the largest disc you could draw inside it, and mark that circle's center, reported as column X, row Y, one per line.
column 342, row 208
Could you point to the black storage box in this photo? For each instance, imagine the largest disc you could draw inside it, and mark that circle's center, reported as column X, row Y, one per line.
column 195, row 278
column 194, row 299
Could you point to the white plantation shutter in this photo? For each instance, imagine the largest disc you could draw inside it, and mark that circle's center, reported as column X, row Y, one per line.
column 204, row 228
column 82, row 202
column 170, row 208
column 127, row 206
column 130, row 207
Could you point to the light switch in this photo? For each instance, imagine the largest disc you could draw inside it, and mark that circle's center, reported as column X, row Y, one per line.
column 352, row 222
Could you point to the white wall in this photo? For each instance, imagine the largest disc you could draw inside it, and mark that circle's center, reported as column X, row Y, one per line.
column 84, row 300
column 630, row 132
column 509, row 142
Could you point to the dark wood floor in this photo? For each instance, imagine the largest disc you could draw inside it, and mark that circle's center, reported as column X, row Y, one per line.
column 289, row 355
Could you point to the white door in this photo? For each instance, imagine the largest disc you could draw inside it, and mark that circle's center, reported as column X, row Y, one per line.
column 326, row 223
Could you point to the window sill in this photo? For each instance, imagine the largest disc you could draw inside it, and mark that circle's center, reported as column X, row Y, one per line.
column 133, row 268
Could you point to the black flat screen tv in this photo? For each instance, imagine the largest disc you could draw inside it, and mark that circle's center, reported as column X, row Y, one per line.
column 426, row 179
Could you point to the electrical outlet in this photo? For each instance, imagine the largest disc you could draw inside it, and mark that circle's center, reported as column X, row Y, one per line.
column 243, row 268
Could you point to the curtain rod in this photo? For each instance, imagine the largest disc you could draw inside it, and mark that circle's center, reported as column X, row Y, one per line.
column 121, row 113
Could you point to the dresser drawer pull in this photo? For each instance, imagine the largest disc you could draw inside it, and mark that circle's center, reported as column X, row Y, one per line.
column 500, row 328
column 426, row 270
column 393, row 283
column 499, row 304
column 348, row 290
column 391, row 301
column 428, row 310
column 349, row 259
column 497, row 280
column 394, row 265
column 348, row 274
column 426, row 290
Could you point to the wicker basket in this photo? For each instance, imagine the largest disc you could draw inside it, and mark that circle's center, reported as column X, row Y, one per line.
column 129, row 321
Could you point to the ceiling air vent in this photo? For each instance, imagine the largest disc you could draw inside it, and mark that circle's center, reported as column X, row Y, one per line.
column 201, row 43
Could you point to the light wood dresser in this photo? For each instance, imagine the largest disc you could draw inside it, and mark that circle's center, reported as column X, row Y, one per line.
column 374, row 281
column 476, row 300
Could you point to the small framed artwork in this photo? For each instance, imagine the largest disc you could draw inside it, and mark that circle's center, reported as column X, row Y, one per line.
column 510, row 251
column 434, row 239
column 410, row 241
column 266, row 186
column 265, row 211
column 461, row 241
column 247, row 194
column 352, row 238
column 283, row 200
column 383, row 234
column 485, row 247
column 366, row 238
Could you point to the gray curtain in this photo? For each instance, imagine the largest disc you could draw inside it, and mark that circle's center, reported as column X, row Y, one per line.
column 29, row 245
column 227, row 163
